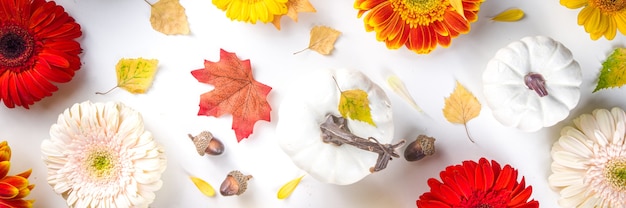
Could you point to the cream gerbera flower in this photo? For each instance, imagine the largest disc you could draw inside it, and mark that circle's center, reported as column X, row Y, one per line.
column 589, row 167
column 100, row 156
column 251, row 11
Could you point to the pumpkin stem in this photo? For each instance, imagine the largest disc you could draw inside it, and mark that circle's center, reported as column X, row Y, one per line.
column 535, row 81
column 335, row 130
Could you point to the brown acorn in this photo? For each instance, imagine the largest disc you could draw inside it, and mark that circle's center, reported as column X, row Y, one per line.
column 235, row 183
column 206, row 143
column 422, row 146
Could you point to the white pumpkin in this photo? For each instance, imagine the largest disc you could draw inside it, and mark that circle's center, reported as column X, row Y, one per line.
column 532, row 83
column 305, row 106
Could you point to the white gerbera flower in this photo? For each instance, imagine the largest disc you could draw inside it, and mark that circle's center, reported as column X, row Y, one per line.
column 589, row 167
column 100, row 156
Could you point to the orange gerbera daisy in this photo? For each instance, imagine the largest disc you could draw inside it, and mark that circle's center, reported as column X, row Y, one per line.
column 13, row 189
column 418, row 24
column 37, row 47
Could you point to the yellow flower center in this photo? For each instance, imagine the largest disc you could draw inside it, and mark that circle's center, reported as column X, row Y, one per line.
column 615, row 172
column 420, row 12
column 608, row 6
column 100, row 164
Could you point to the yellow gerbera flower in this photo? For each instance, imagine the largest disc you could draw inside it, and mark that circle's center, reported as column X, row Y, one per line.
column 418, row 24
column 252, row 10
column 600, row 17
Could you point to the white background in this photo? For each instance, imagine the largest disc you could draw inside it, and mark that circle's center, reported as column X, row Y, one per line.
column 114, row 29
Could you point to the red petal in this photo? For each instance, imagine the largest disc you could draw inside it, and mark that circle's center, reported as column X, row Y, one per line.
column 504, row 178
column 433, row 204
column 4, row 89
column 54, row 58
column 55, row 75
column 42, row 15
column 379, row 15
column 521, row 197
column 451, row 196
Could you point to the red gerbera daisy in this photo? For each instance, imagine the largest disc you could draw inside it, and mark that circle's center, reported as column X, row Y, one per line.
column 482, row 185
column 37, row 47
column 418, row 24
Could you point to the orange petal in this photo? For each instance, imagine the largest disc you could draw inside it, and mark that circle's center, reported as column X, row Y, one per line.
column 16, row 203
column 379, row 15
column 5, row 151
column 17, row 181
column 367, row 4
column 439, row 27
column 389, row 30
column 398, row 41
column 456, row 23
column 5, row 166
column 7, row 191
column 444, row 41
column 25, row 174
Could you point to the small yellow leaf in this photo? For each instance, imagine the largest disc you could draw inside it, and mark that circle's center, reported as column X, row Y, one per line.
column 458, row 6
column 354, row 104
column 510, row 15
column 293, row 8
column 288, row 188
column 461, row 107
column 203, row 186
column 322, row 39
column 168, row 17
column 398, row 86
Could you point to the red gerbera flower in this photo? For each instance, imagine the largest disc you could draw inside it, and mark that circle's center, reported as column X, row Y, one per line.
column 420, row 25
column 482, row 185
column 37, row 47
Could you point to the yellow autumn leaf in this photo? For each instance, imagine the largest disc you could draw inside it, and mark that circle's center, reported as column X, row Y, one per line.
column 354, row 104
column 613, row 72
column 293, row 8
column 461, row 107
column 135, row 75
column 286, row 190
column 322, row 39
column 458, row 6
column 168, row 17
column 509, row 15
column 396, row 84
column 204, row 187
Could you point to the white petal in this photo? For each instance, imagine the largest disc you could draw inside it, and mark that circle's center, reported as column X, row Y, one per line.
column 606, row 124
column 565, row 179
column 570, row 160
column 571, row 144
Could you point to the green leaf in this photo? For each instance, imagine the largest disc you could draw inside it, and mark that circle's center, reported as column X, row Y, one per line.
column 354, row 104
column 613, row 73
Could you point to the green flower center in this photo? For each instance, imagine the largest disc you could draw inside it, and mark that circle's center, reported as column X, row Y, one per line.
column 420, row 12
column 615, row 172
column 16, row 45
column 100, row 164
column 608, row 6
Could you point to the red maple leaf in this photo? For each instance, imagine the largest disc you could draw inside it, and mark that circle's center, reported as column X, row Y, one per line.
column 236, row 92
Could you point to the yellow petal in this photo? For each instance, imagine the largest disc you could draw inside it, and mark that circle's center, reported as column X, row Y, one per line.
column 584, row 15
column 458, row 6
column 574, row 4
column 203, row 186
column 611, row 29
column 396, row 84
column 509, row 15
column 620, row 21
column 288, row 188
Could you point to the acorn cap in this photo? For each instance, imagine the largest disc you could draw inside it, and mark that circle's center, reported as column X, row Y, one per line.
column 201, row 141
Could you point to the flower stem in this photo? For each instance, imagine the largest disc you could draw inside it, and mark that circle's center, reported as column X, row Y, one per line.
column 107, row 92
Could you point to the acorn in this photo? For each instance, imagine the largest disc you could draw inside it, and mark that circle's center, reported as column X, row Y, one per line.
column 235, row 183
column 206, row 143
column 422, row 146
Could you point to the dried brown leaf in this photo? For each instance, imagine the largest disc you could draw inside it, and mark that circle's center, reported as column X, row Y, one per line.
column 168, row 17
